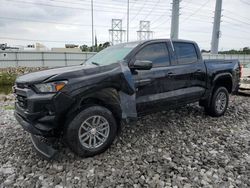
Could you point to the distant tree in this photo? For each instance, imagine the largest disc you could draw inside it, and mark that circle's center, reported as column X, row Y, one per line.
column 106, row 44
column 96, row 47
column 245, row 50
column 84, row 48
column 205, row 51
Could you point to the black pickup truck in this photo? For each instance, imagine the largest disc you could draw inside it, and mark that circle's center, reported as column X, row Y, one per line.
column 85, row 105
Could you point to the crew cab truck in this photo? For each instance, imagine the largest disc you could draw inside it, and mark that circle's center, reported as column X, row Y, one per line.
column 85, row 105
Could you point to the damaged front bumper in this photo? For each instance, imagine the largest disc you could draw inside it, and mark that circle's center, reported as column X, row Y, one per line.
column 44, row 149
column 39, row 114
column 43, row 115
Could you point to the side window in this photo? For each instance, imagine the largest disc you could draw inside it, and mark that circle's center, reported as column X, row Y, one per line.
column 186, row 52
column 157, row 53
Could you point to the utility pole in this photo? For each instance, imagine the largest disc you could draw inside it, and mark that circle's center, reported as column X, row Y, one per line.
column 175, row 19
column 128, row 22
column 92, row 18
column 216, row 28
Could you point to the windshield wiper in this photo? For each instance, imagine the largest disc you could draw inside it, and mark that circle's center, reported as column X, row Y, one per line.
column 94, row 63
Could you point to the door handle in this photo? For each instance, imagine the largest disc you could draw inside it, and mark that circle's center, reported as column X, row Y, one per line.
column 143, row 82
column 170, row 74
column 198, row 70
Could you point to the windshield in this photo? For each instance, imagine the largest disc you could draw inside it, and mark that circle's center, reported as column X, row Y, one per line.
column 111, row 54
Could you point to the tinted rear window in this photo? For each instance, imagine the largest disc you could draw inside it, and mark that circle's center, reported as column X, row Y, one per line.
column 186, row 52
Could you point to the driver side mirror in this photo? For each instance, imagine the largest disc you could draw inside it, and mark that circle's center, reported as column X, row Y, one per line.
column 142, row 65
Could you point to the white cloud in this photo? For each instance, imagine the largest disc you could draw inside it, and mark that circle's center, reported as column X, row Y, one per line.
column 195, row 21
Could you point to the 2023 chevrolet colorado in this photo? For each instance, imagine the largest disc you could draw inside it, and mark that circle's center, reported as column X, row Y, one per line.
column 85, row 105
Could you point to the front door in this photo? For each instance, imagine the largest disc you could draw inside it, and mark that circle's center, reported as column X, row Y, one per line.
column 152, row 85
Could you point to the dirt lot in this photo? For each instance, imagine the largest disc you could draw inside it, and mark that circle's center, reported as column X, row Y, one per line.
column 178, row 148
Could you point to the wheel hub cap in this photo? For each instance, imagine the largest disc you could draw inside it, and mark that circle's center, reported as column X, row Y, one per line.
column 221, row 102
column 94, row 131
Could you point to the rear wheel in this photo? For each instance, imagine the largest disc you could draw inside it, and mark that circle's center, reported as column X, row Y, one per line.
column 219, row 102
column 91, row 132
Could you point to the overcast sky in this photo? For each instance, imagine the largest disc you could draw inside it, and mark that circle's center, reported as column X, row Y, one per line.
column 56, row 22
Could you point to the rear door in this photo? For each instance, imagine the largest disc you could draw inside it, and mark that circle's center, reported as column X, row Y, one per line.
column 190, row 72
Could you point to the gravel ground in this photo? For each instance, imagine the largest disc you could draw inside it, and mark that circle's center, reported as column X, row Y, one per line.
column 177, row 148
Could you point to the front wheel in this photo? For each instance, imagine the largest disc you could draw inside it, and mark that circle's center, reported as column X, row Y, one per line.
column 91, row 132
column 219, row 102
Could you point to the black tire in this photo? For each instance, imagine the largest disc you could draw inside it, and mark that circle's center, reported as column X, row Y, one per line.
column 71, row 132
column 211, row 109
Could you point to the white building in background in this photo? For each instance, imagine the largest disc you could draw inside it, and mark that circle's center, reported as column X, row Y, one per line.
column 38, row 47
column 77, row 50
column 68, row 48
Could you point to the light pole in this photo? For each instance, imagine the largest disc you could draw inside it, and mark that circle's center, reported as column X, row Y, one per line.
column 216, row 27
column 92, row 19
column 175, row 19
column 128, row 22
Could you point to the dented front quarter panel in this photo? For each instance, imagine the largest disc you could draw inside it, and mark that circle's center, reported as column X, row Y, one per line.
column 90, row 82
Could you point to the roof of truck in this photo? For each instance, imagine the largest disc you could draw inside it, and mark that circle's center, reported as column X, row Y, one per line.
column 156, row 40
column 135, row 43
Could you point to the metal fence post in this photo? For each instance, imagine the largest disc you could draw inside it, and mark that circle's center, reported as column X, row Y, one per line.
column 16, row 59
column 244, row 59
column 65, row 56
column 43, row 60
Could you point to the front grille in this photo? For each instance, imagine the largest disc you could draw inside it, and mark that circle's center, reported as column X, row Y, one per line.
column 22, row 101
column 21, row 86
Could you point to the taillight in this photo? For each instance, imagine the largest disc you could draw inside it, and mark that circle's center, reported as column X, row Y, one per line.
column 241, row 70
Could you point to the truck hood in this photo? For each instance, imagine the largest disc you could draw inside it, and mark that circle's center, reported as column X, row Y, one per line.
column 45, row 75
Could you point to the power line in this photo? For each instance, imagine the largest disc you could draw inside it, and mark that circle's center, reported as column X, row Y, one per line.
column 73, row 8
column 138, row 12
column 151, row 10
column 42, row 40
column 238, row 26
column 196, row 11
column 161, row 23
column 235, row 19
column 49, row 22
column 236, row 14
column 235, row 37
column 244, row 2
column 107, row 5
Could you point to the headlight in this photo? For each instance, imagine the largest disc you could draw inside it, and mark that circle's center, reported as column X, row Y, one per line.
column 51, row 87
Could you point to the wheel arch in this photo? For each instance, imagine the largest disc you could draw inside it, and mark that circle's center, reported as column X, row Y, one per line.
column 108, row 98
column 224, row 80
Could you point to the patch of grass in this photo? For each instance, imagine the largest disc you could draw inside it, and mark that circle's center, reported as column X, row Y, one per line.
column 7, row 79
column 5, row 89
column 8, row 108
